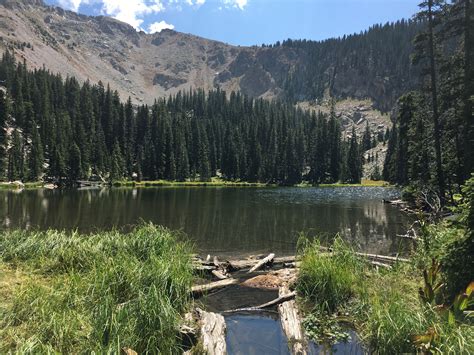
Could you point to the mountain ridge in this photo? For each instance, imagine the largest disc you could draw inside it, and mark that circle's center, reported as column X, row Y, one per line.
column 148, row 66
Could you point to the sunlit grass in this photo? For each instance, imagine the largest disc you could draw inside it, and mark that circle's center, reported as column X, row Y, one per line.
column 94, row 293
column 383, row 305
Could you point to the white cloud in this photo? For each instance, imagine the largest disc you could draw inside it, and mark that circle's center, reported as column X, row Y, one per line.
column 159, row 26
column 131, row 12
column 72, row 4
column 240, row 4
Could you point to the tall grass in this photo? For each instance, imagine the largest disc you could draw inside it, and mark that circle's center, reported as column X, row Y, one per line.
column 96, row 293
column 328, row 280
column 382, row 304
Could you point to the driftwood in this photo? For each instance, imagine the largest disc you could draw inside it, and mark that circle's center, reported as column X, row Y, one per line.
column 212, row 332
column 375, row 257
column 379, row 264
column 200, row 289
column 291, row 323
column 383, row 258
column 219, row 274
column 263, row 262
column 275, row 302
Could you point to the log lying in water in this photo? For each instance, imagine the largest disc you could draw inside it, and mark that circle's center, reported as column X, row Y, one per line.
column 233, row 265
column 200, row 289
column 212, row 332
column 291, row 323
column 265, row 261
column 283, row 298
column 375, row 257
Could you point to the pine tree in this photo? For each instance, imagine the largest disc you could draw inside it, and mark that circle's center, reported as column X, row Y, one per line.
column 74, row 165
column 15, row 158
column 367, row 138
column 354, row 161
column 4, row 116
column 426, row 46
column 36, row 156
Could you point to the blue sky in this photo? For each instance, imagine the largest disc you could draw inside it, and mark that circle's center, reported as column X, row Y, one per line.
column 248, row 22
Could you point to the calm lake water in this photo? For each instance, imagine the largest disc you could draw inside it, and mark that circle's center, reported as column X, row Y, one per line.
column 220, row 221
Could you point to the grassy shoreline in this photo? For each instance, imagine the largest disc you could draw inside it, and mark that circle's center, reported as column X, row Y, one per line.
column 63, row 292
column 385, row 306
column 215, row 182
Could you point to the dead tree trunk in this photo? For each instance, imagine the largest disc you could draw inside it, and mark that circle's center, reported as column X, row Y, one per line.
column 200, row 289
column 291, row 324
column 263, row 262
column 213, row 333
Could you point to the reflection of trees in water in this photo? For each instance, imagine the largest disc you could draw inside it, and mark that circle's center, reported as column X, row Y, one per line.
column 225, row 220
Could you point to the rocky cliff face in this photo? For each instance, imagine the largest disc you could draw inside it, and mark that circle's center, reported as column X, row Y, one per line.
column 146, row 66
column 136, row 64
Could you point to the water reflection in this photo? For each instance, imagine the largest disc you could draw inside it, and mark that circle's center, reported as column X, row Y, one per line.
column 219, row 220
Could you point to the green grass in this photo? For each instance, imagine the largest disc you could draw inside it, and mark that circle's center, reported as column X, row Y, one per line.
column 73, row 293
column 215, row 182
column 27, row 185
column 383, row 305
column 328, row 280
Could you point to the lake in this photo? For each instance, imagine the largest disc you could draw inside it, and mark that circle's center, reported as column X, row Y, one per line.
column 221, row 221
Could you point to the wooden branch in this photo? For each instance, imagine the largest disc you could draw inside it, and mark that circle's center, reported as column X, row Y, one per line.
column 262, row 263
column 379, row 264
column 291, row 323
column 275, row 302
column 213, row 332
column 219, row 274
column 376, row 257
column 200, row 289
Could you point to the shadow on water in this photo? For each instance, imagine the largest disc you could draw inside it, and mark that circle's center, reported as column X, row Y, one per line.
column 255, row 334
column 262, row 333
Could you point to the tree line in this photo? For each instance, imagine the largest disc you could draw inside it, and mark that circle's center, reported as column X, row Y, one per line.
column 432, row 144
column 59, row 130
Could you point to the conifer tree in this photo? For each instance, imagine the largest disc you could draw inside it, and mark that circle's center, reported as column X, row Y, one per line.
column 354, row 161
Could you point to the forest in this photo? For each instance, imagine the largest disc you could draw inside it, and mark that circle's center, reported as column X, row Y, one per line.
column 432, row 145
column 62, row 131
column 59, row 130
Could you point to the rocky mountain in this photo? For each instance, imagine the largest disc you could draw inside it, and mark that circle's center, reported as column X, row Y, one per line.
column 134, row 63
column 147, row 66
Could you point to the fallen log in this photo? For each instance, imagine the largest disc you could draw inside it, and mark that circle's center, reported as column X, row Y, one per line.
column 376, row 257
column 219, row 274
column 379, row 264
column 291, row 323
column 283, row 298
column 212, row 332
column 200, row 289
column 262, row 263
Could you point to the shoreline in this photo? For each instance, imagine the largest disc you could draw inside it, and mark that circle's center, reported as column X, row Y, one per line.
column 167, row 183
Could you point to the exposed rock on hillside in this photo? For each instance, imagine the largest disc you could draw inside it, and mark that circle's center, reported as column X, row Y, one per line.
column 147, row 66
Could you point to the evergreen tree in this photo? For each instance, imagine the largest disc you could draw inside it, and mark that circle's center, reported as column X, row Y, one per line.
column 74, row 165
column 36, row 156
column 4, row 115
column 354, row 161
column 426, row 46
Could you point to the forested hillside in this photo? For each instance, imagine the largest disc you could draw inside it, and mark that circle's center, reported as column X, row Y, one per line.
column 374, row 64
column 61, row 131
column 432, row 145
